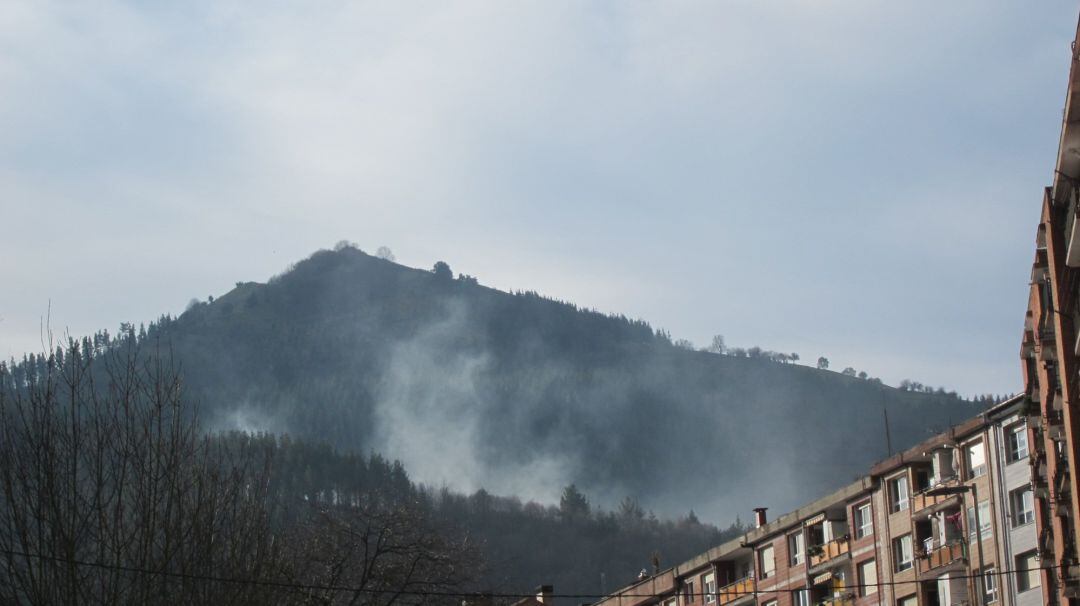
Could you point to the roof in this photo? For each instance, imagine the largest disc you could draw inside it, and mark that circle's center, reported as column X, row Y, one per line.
column 917, row 453
column 1003, row 407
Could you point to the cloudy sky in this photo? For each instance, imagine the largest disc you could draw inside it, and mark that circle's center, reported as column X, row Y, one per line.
column 854, row 179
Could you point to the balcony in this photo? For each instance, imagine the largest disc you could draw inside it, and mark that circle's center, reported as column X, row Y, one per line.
column 1055, row 416
column 847, row 599
column 1054, row 424
column 1027, row 346
column 1047, row 334
column 733, row 592
column 945, row 555
column 1047, row 346
column 1039, row 271
column 823, row 554
column 1061, row 484
column 935, row 502
column 1039, row 468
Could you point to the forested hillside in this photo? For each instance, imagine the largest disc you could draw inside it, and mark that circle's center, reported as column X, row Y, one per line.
column 521, row 395
column 111, row 494
column 521, row 544
column 499, row 406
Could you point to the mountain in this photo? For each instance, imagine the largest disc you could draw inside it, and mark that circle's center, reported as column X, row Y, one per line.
column 471, row 388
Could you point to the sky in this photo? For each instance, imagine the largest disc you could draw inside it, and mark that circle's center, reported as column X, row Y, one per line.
column 854, row 179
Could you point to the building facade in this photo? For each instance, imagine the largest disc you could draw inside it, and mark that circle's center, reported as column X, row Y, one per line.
column 1048, row 353
column 948, row 522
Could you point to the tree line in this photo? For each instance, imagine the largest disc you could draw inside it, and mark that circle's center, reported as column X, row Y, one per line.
column 718, row 346
column 112, row 493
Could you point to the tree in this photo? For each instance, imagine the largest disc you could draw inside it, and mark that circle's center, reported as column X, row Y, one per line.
column 442, row 271
column 103, row 475
column 377, row 554
column 572, row 504
column 717, row 346
column 110, row 495
column 684, row 344
column 630, row 510
column 823, row 363
column 848, row 372
column 385, row 254
column 863, row 375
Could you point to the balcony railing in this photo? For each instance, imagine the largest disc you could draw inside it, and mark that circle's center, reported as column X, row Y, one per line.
column 739, row 589
column 833, row 549
column 942, row 556
column 846, row 599
column 922, row 500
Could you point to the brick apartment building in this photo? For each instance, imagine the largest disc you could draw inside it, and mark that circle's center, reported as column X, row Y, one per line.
column 1048, row 352
column 950, row 521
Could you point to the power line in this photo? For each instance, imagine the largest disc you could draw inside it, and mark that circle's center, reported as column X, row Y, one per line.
column 441, row 593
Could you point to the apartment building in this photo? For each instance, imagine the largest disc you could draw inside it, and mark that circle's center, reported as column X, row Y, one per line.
column 948, row 522
column 1048, row 353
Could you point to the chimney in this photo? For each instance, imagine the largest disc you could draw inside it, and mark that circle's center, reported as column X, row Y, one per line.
column 543, row 594
column 759, row 516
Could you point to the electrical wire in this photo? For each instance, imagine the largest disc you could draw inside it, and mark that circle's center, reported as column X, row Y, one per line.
column 473, row 594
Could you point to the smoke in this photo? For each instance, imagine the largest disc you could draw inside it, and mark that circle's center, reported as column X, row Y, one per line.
column 430, row 417
column 248, row 419
column 670, row 428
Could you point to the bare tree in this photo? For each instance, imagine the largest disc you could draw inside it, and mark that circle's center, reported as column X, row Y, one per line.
column 717, row 346
column 109, row 494
column 385, row 253
column 378, row 554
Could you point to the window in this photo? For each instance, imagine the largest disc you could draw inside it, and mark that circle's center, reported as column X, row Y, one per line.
column 796, row 551
column 770, row 603
column 688, row 591
column 867, row 578
column 908, row 600
column 989, row 585
column 1027, row 571
column 898, row 494
column 1022, row 502
column 923, row 480
column 976, row 459
column 767, row 562
column 708, row 586
column 672, row 602
column 1016, row 435
column 902, row 554
column 864, row 523
column 800, row 597
column 985, row 521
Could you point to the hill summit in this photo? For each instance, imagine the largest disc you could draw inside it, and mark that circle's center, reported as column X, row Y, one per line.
column 471, row 387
